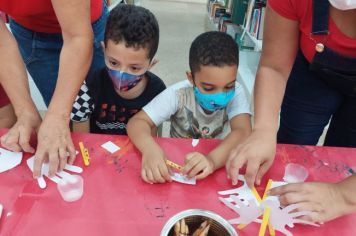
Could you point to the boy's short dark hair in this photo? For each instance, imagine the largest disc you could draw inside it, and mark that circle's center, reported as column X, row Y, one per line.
column 134, row 25
column 213, row 49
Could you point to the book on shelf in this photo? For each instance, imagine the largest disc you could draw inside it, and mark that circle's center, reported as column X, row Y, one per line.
column 238, row 10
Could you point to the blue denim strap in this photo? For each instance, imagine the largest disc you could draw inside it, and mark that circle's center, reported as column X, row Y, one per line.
column 320, row 17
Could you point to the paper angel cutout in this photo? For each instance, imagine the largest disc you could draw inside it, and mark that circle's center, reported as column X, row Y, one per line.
column 243, row 201
column 243, row 193
column 59, row 175
column 9, row 160
column 247, row 213
column 281, row 217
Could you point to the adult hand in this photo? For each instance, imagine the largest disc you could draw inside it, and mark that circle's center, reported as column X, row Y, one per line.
column 54, row 145
column 197, row 165
column 17, row 139
column 325, row 201
column 256, row 153
column 154, row 168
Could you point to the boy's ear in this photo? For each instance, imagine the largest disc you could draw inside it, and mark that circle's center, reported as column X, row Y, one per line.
column 153, row 63
column 190, row 77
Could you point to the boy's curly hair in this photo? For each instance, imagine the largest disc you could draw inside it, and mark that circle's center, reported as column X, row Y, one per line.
column 213, row 49
column 134, row 25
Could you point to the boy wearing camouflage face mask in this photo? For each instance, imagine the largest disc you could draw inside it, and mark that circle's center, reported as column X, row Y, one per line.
column 125, row 85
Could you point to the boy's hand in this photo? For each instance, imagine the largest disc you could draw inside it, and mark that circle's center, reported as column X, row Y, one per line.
column 257, row 153
column 198, row 165
column 154, row 168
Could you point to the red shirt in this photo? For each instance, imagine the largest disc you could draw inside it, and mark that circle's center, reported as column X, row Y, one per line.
column 302, row 11
column 39, row 15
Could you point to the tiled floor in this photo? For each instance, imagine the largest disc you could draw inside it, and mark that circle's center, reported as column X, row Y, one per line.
column 180, row 22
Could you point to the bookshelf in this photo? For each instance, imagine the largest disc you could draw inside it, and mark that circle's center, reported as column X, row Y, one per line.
column 244, row 21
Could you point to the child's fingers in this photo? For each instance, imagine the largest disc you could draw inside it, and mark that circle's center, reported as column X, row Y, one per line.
column 189, row 156
column 149, row 175
column 200, row 166
column 157, row 176
column 165, row 172
column 203, row 174
column 251, row 173
column 144, row 175
column 193, row 161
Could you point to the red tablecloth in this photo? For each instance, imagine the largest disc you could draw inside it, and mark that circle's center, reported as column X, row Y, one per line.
column 117, row 202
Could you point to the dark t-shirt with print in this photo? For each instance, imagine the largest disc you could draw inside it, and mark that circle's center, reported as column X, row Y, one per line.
column 112, row 112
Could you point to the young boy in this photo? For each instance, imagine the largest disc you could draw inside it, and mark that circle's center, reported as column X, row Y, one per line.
column 125, row 85
column 208, row 106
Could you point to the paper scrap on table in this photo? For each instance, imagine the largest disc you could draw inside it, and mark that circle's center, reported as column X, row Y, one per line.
column 182, row 179
column 1, row 207
column 110, row 147
column 9, row 160
column 195, row 142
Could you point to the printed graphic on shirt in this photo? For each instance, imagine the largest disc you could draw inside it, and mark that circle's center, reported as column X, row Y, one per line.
column 112, row 117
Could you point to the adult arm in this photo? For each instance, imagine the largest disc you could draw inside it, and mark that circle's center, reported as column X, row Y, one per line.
column 13, row 78
column 54, row 140
column 280, row 45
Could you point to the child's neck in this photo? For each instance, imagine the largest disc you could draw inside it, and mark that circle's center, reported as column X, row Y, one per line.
column 135, row 91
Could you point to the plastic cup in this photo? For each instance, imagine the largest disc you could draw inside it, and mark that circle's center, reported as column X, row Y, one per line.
column 71, row 188
column 295, row 173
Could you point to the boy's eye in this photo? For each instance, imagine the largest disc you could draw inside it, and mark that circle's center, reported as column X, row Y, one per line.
column 208, row 89
column 230, row 87
column 135, row 68
column 113, row 63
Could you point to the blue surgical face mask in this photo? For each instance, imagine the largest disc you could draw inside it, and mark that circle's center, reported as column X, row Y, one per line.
column 215, row 101
column 124, row 81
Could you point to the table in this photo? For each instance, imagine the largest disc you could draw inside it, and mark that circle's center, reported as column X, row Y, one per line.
column 117, row 202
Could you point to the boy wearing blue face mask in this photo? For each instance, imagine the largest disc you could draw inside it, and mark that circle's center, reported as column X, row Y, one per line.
column 209, row 105
column 125, row 85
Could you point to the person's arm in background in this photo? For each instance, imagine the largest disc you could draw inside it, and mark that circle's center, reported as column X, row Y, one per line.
column 54, row 140
column 280, row 45
column 325, row 201
column 13, row 78
column 200, row 166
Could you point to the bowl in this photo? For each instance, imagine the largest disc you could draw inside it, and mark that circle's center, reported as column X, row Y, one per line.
column 194, row 217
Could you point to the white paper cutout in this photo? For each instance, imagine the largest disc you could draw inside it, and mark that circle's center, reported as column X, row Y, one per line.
column 9, row 160
column 243, row 202
column 280, row 218
column 195, row 142
column 182, row 179
column 244, row 193
column 59, row 175
column 110, row 147
column 247, row 213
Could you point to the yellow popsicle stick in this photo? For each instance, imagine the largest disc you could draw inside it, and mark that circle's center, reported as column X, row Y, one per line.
column 173, row 165
column 258, row 198
column 265, row 195
column 265, row 220
column 85, row 154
